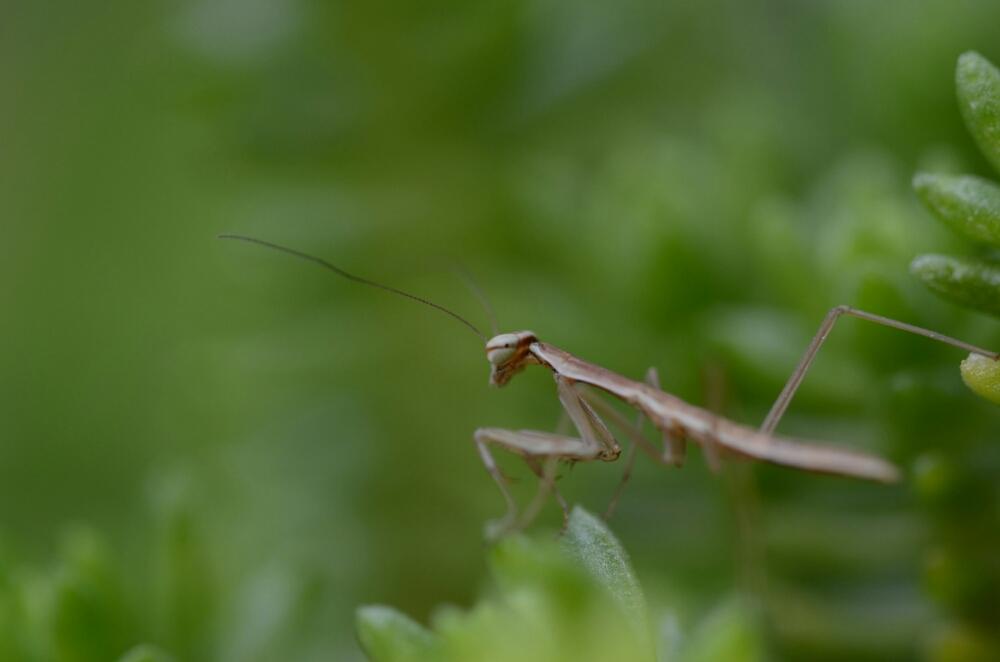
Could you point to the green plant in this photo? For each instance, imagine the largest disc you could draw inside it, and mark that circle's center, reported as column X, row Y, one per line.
column 970, row 206
column 75, row 611
column 961, row 571
column 574, row 600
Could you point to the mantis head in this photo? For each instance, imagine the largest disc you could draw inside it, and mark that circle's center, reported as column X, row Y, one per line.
column 508, row 354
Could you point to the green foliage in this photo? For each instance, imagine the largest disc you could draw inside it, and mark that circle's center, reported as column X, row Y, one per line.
column 959, row 572
column 969, row 205
column 728, row 633
column 689, row 186
column 978, row 84
column 88, row 606
column 982, row 375
column 595, row 547
column 73, row 612
column 968, row 282
column 576, row 600
column 960, row 644
column 184, row 588
column 388, row 635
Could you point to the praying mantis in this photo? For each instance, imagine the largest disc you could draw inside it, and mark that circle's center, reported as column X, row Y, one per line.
column 676, row 420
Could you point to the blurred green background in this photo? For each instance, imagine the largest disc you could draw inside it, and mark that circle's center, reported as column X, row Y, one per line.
column 223, row 451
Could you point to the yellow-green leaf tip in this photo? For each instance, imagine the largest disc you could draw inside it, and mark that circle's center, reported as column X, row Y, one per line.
column 982, row 375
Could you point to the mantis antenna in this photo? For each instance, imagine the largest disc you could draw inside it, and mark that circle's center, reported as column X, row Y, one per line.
column 473, row 286
column 357, row 279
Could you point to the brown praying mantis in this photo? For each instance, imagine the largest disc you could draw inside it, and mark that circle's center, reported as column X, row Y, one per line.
column 676, row 420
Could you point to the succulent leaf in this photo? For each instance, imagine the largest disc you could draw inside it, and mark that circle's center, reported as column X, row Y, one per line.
column 969, row 205
column 978, row 86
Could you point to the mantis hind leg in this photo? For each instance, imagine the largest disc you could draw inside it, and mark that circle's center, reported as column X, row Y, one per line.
column 795, row 380
column 674, row 448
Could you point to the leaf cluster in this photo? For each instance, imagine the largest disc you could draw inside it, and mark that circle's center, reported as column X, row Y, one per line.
column 576, row 600
column 970, row 206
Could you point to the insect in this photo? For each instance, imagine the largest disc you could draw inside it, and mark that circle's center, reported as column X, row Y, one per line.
column 676, row 420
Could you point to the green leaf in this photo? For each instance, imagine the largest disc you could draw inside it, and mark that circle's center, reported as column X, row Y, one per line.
column 145, row 653
column 388, row 635
column 982, row 375
column 966, row 282
column 978, row 86
column 88, row 615
column 568, row 602
column 185, row 588
column 598, row 550
column 729, row 633
column 969, row 205
column 572, row 602
column 518, row 562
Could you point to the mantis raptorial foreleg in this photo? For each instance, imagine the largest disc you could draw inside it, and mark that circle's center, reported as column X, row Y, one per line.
column 795, row 380
column 595, row 442
column 532, row 445
column 497, row 527
column 674, row 447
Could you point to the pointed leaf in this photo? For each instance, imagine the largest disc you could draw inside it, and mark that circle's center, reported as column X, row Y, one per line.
column 969, row 205
column 982, row 375
column 590, row 540
column 965, row 282
column 388, row 635
column 978, row 84
column 517, row 562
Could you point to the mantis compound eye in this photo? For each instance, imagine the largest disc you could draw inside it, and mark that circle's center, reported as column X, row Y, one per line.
column 501, row 348
column 504, row 347
column 499, row 355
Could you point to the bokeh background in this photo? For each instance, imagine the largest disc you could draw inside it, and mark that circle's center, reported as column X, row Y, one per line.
column 223, row 451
